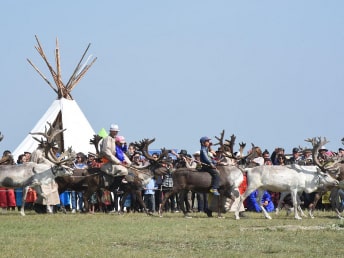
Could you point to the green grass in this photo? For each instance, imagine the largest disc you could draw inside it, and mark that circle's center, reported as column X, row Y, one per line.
column 138, row 235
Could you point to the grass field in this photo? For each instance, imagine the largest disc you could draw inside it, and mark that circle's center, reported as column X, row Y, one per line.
column 138, row 235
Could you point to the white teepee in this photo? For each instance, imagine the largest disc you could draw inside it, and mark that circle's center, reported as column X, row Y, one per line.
column 64, row 112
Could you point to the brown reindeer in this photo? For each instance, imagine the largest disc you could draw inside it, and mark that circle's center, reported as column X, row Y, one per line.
column 333, row 166
column 142, row 175
column 188, row 179
column 93, row 179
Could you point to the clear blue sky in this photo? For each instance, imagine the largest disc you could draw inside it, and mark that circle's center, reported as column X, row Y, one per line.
column 270, row 72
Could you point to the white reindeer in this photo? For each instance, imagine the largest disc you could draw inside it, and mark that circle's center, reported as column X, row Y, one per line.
column 284, row 179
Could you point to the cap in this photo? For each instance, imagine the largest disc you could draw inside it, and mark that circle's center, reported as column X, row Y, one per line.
column 183, row 152
column 197, row 153
column 296, row 150
column 323, row 148
column 120, row 139
column 114, row 128
column 91, row 154
column 204, row 139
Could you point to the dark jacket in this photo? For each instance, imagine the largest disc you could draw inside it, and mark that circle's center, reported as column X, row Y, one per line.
column 205, row 157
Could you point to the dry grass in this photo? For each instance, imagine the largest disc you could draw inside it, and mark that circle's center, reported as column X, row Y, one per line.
column 137, row 235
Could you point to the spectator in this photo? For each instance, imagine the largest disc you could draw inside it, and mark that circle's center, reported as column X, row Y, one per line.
column 49, row 190
column 137, row 159
column 306, row 158
column 167, row 185
column 106, row 200
column 278, row 150
column 281, row 160
column 131, row 151
column 202, row 198
column 93, row 201
column 266, row 202
column 149, row 195
column 77, row 197
column 341, row 152
column 7, row 196
column 266, row 157
column 92, row 161
column 19, row 191
column 296, row 158
column 322, row 155
column 259, row 160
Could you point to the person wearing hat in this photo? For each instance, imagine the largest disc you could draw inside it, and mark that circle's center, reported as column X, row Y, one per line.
column 208, row 165
column 306, row 158
column 112, row 164
column 322, row 156
column 296, row 158
column 341, row 152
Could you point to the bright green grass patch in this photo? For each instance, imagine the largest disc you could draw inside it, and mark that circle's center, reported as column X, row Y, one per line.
column 138, row 235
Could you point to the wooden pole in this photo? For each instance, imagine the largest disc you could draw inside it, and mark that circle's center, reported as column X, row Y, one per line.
column 77, row 68
column 41, row 74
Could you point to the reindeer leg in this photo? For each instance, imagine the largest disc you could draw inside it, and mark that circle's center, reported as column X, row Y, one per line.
column 219, row 205
column 181, row 204
column 25, row 190
column 299, row 206
column 141, row 202
column 121, row 202
column 241, row 201
column 314, row 204
column 166, row 196
column 295, row 204
column 279, row 205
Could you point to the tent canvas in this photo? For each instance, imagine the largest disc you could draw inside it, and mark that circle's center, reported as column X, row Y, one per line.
column 78, row 130
column 64, row 113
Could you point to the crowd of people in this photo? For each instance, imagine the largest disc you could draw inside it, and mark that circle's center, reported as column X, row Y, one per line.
column 116, row 157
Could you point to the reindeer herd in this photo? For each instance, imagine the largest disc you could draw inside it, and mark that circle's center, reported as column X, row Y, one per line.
column 290, row 179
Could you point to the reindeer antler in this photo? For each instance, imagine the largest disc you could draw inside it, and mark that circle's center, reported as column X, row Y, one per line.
column 220, row 139
column 1, row 136
column 49, row 143
column 95, row 141
column 143, row 147
column 317, row 143
column 242, row 146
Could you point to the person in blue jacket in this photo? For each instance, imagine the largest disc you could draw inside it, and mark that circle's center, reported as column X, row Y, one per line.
column 266, row 201
column 209, row 165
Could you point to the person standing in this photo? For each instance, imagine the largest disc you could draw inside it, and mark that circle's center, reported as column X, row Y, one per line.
column 149, row 195
column 296, row 158
column 7, row 196
column 77, row 197
column 208, row 165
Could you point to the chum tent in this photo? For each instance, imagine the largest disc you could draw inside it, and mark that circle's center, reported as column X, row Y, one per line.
column 64, row 112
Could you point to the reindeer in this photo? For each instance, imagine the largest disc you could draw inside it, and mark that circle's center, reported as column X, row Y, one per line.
column 34, row 175
column 333, row 167
column 186, row 179
column 293, row 179
column 92, row 180
column 142, row 175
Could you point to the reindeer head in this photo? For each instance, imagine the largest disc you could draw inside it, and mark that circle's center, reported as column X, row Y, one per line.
column 329, row 165
column 49, row 143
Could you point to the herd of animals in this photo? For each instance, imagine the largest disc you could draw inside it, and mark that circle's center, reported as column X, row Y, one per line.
column 292, row 179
